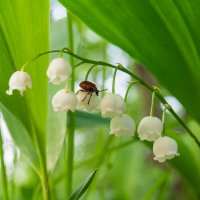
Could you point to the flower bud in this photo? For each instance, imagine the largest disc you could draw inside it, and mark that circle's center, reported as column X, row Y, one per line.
column 150, row 128
column 112, row 105
column 165, row 148
column 88, row 101
column 19, row 81
column 64, row 100
column 122, row 126
column 59, row 71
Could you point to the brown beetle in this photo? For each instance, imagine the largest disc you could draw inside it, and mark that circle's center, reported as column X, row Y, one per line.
column 89, row 88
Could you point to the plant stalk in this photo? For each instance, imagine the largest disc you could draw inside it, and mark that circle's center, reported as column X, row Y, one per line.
column 71, row 115
column 3, row 169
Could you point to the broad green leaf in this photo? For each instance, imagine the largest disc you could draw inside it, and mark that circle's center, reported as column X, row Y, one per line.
column 163, row 35
column 24, row 32
column 186, row 163
column 21, row 137
column 83, row 188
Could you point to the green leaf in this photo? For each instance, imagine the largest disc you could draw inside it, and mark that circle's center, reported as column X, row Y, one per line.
column 86, row 119
column 21, row 138
column 85, row 185
column 24, row 32
column 186, row 163
column 163, row 35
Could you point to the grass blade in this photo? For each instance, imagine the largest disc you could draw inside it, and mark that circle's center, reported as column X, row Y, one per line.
column 85, row 185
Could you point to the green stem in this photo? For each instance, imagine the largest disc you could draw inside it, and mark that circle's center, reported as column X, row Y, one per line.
column 88, row 72
column 113, row 81
column 45, row 186
column 3, row 169
column 129, row 87
column 152, row 104
column 143, row 83
column 71, row 115
column 103, row 77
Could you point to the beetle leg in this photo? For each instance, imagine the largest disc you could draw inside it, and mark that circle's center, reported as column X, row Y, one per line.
column 89, row 98
column 86, row 96
column 80, row 91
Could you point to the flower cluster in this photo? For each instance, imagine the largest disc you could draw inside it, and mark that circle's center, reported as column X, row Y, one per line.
column 111, row 105
column 164, row 147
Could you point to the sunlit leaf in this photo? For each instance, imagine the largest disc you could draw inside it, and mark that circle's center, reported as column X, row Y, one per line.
column 24, row 32
column 163, row 35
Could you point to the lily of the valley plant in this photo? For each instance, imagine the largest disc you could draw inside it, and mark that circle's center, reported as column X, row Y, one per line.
column 112, row 105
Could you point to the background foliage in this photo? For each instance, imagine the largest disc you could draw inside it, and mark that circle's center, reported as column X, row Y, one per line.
column 162, row 36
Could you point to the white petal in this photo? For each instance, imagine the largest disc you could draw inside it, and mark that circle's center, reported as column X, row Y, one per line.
column 9, row 92
column 19, row 81
column 112, row 105
column 150, row 128
column 64, row 100
column 122, row 126
column 165, row 148
column 59, row 71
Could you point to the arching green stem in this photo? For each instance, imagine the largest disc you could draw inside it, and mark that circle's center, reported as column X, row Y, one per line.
column 143, row 83
column 88, row 72
column 128, row 89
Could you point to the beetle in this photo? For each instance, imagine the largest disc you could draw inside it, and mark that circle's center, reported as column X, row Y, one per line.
column 89, row 88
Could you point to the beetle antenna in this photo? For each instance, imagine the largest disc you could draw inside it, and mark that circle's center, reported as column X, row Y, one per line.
column 103, row 90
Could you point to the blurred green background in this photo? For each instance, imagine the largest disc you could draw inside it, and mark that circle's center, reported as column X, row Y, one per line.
column 126, row 169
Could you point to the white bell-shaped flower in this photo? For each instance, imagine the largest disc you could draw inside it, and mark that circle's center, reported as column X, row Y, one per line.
column 64, row 100
column 122, row 126
column 19, row 81
column 59, row 71
column 112, row 105
column 165, row 148
column 87, row 101
column 150, row 128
